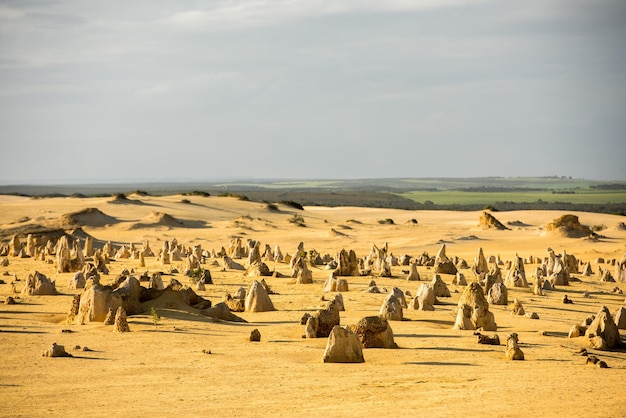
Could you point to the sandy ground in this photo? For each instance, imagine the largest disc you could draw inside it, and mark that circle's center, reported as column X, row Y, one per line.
column 164, row 370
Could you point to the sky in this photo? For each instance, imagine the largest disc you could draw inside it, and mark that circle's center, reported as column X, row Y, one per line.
column 294, row 89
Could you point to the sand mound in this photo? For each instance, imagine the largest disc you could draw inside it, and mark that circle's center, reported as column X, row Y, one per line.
column 488, row 221
column 121, row 198
column 156, row 219
column 92, row 217
column 569, row 226
column 334, row 233
column 517, row 223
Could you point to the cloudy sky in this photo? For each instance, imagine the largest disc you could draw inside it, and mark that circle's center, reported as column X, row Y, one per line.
column 201, row 90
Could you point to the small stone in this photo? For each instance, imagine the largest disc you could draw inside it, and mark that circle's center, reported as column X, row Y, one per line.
column 56, row 351
column 255, row 335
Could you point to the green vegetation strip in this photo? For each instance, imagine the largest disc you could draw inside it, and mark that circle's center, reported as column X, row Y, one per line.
column 455, row 197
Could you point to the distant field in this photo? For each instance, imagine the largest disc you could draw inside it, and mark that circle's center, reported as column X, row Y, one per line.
column 503, row 193
column 453, row 197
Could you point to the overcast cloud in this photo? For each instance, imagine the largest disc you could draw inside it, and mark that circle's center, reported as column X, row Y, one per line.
column 202, row 90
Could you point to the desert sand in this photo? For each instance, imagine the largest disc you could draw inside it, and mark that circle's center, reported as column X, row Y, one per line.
column 189, row 364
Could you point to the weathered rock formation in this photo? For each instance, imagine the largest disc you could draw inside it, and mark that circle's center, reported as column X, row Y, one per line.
column 413, row 273
column 56, row 351
column 569, row 226
column 257, row 299
column 322, row 322
column 474, row 297
column 488, row 221
column 620, row 270
column 343, row 346
column 498, row 294
column 78, row 281
column 121, row 323
column 443, row 264
column 516, row 277
column 513, row 352
column 391, row 308
column 480, row 267
column 348, row 264
column 424, row 299
column 374, row 332
column 518, row 308
column 439, row 287
column 603, row 333
column 38, row 284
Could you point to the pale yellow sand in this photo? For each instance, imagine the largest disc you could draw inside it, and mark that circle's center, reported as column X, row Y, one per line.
column 437, row 371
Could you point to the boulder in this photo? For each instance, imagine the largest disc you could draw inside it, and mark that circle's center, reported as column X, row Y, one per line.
column 480, row 267
column 95, row 302
column 459, row 280
column 620, row 318
column 516, row 277
column 257, row 299
column 343, row 346
column 603, row 326
column 474, row 297
column 56, row 351
column 464, row 318
column 342, row 285
column 38, row 284
column 577, row 330
column 110, row 319
column 493, row 276
column 374, row 332
column 331, row 283
column 391, row 308
column 258, row 269
column 517, row 308
column 348, row 264
column 439, row 287
column 255, row 335
column 513, row 352
column 304, row 275
column 121, row 323
column 424, row 299
column 443, row 264
column 339, row 301
column 327, row 318
column 399, row 294
column 310, row 330
column 413, row 273
column 498, row 294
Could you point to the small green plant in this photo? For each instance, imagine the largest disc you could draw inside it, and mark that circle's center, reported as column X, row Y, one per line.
column 598, row 228
column 156, row 318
